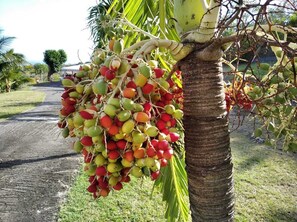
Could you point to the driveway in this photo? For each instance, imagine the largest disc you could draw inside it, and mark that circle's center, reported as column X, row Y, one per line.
column 36, row 164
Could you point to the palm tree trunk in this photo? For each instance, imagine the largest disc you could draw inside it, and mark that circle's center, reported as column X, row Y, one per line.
column 7, row 85
column 207, row 141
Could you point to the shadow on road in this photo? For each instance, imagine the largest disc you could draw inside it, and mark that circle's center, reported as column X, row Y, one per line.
column 11, row 163
column 49, row 84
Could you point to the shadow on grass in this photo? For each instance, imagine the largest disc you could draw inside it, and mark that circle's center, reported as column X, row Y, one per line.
column 39, row 116
column 49, row 84
column 11, row 163
column 249, row 162
column 282, row 215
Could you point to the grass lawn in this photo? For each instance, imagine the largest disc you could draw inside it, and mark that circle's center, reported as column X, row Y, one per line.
column 265, row 183
column 18, row 101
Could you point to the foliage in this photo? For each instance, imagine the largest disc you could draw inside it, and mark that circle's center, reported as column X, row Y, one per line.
column 56, row 77
column 54, row 59
column 40, row 68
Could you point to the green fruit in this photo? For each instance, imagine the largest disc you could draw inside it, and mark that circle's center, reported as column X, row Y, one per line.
column 91, row 170
column 164, row 84
column 114, row 167
column 78, row 120
column 149, row 162
column 100, row 87
column 257, row 90
column 94, row 131
column 151, row 131
column 178, row 114
column 128, row 126
column 99, row 148
column 124, row 67
column 68, row 83
column 115, row 102
column 79, row 88
column 140, row 162
column 140, row 80
column 278, row 53
column 65, row 132
column 124, row 115
column 77, row 146
column 138, row 107
column 118, row 46
column 110, row 110
column 81, row 74
column 136, row 171
column 88, row 89
column 113, row 180
column 74, row 95
column 145, row 70
column 156, row 167
column 126, row 163
column 138, row 137
column 89, row 122
column 99, row 160
column 128, row 104
column 169, row 109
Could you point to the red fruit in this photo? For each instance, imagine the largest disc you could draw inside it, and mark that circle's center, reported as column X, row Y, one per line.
column 159, row 103
column 160, row 154
column 125, row 179
column 110, row 74
column 147, row 88
column 155, row 175
column 70, row 101
column 102, row 182
column 163, row 145
column 65, row 95
column 163, row 162
column 103, row 70
column 168, row 96
column 92, row 188
column 161, row 124
column 62, row 124
column 121, row 144
column 158, row 72
column 105, row 121
column 86, row 141
column 155, row 143
column 129, row 93
column 128, row 155
column 113, row 130
column 165, row 131
column 165, row 117
column 88, row 158
column 147, row 107
column 172, row 122
column 111, row 145
column 92, row 179
column 87, row 114
column 118, row 186
column 104, row 192
column 101, row 171
column 118, row 122
column 171, row 83
column 139, row 153
column 113, row 155
column 131, row 84
column 173, row 137
column 168, row 154
column 150, row 151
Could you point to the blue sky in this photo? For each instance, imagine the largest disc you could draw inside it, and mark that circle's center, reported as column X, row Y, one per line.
column 47, row 24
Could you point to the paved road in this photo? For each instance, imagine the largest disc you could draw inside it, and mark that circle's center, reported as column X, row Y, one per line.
column 36, row 164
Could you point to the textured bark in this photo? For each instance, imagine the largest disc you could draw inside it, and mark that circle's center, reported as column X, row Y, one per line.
column 207, row 141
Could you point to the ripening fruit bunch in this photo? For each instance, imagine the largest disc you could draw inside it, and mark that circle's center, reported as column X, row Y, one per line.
column 235, row 95
column 125, row 114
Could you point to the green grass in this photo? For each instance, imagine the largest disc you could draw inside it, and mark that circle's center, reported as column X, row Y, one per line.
column 265, row 183
column 18, row 101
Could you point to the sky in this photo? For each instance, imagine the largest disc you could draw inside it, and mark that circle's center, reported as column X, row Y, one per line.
column 38, row 25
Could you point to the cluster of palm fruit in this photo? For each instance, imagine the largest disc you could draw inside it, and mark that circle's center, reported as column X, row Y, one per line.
column 125, row 113
column 237, row 95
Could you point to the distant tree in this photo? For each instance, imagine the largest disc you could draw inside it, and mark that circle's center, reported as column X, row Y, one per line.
column 54, row 59
column 11, row 72
column 40, row 68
